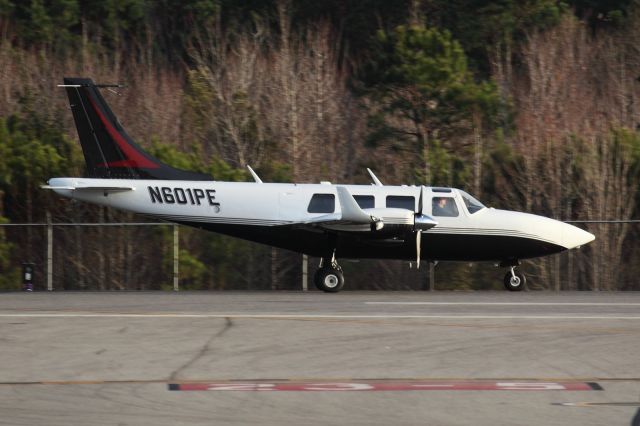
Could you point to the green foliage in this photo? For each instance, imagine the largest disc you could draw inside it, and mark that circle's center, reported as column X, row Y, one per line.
column 9, row 274
column 275, row 171
column 169, row 27
column 194, row 161
column 602, row 12
column 170, row 154
column 426, row 58
column 32, row 150
column 198, row 96
column 420, row 83
column 166, row 25
column 416, row 75
column 502, row 167
column 447, row 168
column 484, row 25
column 43, row 22
column 628, row 143
column 192, row 271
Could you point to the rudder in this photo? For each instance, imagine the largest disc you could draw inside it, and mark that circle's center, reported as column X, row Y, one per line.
column 109, row 152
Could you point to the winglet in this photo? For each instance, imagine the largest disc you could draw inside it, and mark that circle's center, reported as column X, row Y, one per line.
column 254, row 174
column 374, row 178
column 351, row 211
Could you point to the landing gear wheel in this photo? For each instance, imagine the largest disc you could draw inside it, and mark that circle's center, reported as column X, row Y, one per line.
column 514, row 280
column 329, row 280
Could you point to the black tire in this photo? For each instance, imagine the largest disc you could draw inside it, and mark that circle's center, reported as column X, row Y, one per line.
column 329, row 280
column 514, row 284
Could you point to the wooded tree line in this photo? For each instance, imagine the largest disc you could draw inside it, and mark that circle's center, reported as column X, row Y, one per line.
column 531, row 105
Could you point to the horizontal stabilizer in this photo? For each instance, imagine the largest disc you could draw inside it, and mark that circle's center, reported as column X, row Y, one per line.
column 91, row 188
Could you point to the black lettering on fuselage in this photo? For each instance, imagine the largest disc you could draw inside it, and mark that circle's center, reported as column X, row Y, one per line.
column 168, row 195
column 181, row 198
column 211, row 197
column 193, row 196
column 154, row 193
column 190, row 196
column 199, row 194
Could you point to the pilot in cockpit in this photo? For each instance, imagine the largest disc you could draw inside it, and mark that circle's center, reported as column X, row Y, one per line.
column 443, row 206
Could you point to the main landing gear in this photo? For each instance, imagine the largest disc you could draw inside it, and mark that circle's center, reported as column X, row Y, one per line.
column 329, row 277
column 514, row 280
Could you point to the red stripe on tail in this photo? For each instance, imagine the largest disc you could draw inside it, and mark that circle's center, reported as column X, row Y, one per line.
column 134, row 158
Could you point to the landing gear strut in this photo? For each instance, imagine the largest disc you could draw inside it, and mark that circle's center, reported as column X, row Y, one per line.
column 514, row 280
column 329, row 277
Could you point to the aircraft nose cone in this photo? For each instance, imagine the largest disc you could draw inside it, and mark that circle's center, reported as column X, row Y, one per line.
column 575, row 237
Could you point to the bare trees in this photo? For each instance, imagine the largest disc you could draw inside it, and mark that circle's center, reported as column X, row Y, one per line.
column 286, row 91
column 576, row 100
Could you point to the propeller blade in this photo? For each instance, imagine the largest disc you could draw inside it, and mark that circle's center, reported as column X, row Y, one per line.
column 418, row 243
column 420, row 200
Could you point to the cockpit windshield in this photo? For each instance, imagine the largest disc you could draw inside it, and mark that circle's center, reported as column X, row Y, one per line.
column 472, row 204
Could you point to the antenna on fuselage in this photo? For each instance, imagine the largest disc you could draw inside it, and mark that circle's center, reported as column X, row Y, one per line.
column 375, row 179
column 254, row 174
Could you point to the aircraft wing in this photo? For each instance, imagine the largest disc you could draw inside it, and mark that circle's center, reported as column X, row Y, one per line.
column 352, row 218
column 351, row 214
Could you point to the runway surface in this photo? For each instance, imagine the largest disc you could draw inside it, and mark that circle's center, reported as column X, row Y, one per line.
column 273, row 358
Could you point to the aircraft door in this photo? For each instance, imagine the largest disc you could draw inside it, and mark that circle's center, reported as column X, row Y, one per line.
column 291, row 205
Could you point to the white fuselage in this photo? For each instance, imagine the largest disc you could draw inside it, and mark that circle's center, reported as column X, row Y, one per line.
column 243, row 206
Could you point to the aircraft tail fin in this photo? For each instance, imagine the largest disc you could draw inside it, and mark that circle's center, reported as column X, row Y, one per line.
column 109, row 152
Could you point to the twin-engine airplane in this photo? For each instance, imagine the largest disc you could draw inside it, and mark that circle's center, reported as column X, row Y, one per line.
column 328, row 221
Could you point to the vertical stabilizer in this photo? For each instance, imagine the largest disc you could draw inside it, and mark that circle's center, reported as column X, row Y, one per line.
column 109, row 151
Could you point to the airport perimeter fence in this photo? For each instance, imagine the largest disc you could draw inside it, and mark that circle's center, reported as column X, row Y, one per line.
column 149, row 256
column 48, row 265
column 79, row 256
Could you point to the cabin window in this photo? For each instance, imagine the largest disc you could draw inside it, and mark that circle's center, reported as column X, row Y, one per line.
column 471, row 203
column 322, row 203
column 444, row 206
column 365, row 201
column 401, row 202
column 437, row 189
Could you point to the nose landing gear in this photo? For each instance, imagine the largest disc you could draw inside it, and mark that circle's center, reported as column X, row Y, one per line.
column 514, row 280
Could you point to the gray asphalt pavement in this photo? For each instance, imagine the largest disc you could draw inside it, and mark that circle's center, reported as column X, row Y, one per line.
column 108, row 358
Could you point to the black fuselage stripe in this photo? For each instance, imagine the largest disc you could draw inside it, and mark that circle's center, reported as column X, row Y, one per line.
column 269, row 223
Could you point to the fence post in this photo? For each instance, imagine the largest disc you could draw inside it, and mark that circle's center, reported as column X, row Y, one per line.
column 49, row 253
column 432, row 276
column 176, row 257
column 305, row 272
column 556, row 271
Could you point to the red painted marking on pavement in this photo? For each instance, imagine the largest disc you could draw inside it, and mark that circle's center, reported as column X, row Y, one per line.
column 384, row 386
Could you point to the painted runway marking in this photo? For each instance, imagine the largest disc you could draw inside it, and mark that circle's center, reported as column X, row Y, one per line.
column 597, row 404
column 504, row 303
column 323, row 316
column 373, row 386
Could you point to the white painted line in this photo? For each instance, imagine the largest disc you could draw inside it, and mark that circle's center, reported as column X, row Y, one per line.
column 307, row 316
column 505, row 303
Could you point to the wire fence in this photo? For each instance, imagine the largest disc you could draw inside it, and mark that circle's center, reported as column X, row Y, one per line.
column 44, row 260
column 99, row 256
